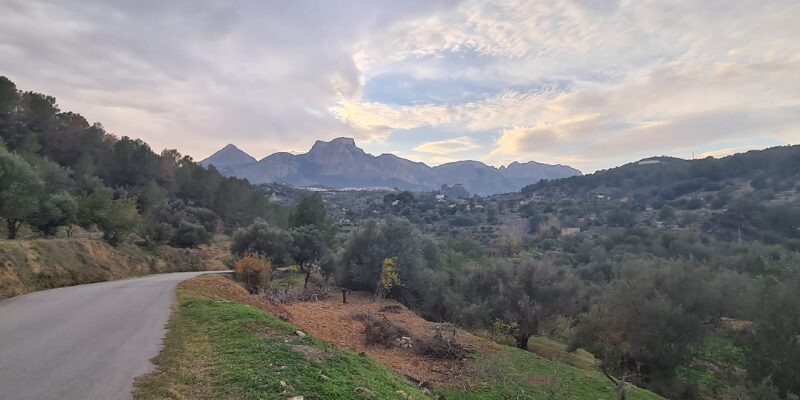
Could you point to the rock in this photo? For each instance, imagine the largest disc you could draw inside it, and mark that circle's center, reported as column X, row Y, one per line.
column 295, row 398
column 404, row 342
column 299, row 333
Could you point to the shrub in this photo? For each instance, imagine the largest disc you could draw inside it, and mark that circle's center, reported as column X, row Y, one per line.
column 263, row 238
column 254, row 270
column 190, row 235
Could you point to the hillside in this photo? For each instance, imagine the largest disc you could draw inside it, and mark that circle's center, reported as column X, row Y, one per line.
column 665, row 178
column 58, row 171
column 340, row 163
column 255, row 355
column 746, row 196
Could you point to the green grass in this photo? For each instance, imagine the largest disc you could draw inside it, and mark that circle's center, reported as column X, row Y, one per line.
column 517, row 374
column 217, row 349
column 557, row 351
column 719, row 366
column 550, row 349
column 722, row 350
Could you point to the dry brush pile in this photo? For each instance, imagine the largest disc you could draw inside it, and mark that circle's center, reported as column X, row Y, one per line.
column 443, row 344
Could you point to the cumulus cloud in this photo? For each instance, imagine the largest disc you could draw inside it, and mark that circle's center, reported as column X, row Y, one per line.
column 587, row 83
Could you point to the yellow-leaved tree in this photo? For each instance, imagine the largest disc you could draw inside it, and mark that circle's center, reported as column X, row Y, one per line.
column 388, row 279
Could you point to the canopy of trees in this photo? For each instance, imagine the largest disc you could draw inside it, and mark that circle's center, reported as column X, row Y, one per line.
column 57, row 170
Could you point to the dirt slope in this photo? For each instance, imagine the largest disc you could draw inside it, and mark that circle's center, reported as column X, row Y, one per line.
column 31, row 265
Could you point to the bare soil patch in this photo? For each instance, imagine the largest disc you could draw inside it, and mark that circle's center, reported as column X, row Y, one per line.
column 338, row 324
column 311, row 353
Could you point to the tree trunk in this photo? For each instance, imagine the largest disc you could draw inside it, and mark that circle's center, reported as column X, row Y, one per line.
column 622, row 393
column 522, row 340
column 308, row 275
column 12, row 228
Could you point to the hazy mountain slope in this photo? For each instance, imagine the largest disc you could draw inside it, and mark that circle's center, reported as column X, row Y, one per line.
column 340, row 163
column 477, row 177
column 521, row 174
column 776, row 168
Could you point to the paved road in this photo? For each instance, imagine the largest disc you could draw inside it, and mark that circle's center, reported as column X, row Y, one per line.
column 83, row 342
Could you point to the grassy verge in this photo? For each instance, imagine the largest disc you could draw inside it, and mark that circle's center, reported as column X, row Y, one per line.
column 217, row 349
column 512, row 373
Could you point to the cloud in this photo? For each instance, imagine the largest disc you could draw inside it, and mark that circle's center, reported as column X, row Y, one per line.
column 441, row 147
column 726, row 152
column 595, row 83
column 197, row 75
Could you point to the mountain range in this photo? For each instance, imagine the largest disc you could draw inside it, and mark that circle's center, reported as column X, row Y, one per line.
column 340, row 163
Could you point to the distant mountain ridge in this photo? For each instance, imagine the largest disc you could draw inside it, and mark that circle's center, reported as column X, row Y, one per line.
column 340, row 163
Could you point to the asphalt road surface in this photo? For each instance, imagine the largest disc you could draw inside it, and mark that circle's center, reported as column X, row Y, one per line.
column 84, row 342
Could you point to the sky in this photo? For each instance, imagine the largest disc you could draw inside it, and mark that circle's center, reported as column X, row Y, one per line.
column 587, row 83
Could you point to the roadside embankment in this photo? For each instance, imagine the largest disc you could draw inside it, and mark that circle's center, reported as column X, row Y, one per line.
column 38, row 264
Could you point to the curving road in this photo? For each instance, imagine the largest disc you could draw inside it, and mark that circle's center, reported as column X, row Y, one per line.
column 83, row 342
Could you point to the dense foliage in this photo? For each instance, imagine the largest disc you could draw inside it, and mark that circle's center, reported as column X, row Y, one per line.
column 57, row 170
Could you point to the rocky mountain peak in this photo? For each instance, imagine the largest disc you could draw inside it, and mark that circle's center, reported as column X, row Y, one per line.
column 340, row 163
column 228, row 156
column 336, row 145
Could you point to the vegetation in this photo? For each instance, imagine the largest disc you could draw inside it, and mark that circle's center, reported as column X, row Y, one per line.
column 218, row 349
column 254, row 271
column 643, row 266
column 646, row 266
column 57, row 170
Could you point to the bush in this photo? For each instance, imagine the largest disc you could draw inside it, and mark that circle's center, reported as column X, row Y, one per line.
column 254, row 271
column 263, row 238
column 190, row 235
